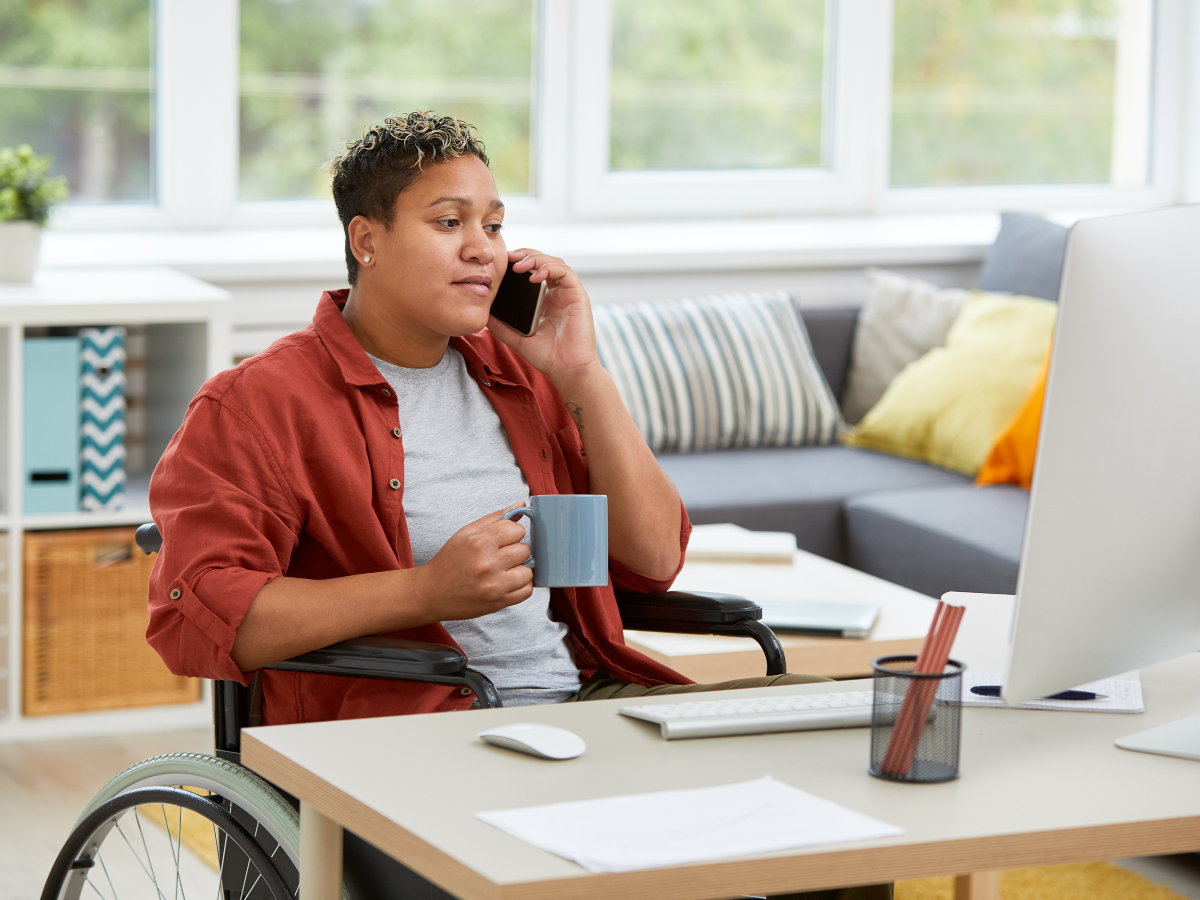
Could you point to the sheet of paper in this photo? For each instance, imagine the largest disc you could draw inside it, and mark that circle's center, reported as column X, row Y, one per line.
column 673, row 828
column 732, row 543
column 1120, row 696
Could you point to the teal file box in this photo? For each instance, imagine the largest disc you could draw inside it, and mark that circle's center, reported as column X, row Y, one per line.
column 51, row 444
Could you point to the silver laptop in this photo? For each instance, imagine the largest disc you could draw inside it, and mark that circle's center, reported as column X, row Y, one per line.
column 825, row 619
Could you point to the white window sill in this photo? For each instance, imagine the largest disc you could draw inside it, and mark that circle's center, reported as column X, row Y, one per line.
column 316, row 254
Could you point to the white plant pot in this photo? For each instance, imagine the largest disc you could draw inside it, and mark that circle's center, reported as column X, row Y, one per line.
column 20, row 243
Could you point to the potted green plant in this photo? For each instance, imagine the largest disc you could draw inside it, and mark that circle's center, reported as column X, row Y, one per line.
column 27, row 194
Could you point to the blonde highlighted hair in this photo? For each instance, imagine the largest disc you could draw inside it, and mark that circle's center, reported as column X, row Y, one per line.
column 388, row 158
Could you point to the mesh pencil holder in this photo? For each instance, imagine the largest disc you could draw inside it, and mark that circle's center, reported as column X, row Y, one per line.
column 915, row 721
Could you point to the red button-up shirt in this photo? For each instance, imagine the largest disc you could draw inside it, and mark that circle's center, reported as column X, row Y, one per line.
column 290, row 465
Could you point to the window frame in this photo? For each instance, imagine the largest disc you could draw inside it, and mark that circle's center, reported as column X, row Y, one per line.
column 842, row 186
column 197, row 130
column 1164, row 159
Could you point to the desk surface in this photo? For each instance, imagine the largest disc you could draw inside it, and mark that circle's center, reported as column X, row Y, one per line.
column 904, row 618
column 1037, row 788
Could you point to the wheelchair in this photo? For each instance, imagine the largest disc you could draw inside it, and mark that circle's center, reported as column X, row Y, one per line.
column 193, row 825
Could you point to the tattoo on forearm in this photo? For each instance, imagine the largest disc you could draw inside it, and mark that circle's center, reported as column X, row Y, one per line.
column 576, row 412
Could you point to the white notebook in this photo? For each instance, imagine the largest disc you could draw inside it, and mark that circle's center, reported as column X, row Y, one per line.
column 1120, row 696
column 674, row 828
column 727, row 543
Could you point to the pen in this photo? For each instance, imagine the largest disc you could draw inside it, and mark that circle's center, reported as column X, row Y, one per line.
column 993, row 690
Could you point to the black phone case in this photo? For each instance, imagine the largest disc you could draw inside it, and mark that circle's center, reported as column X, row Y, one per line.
column 517, row 300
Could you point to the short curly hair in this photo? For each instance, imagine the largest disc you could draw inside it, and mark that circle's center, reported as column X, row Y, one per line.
column 373, row 171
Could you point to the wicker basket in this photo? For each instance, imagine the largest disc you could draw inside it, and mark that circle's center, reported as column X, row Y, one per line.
column 85, row 626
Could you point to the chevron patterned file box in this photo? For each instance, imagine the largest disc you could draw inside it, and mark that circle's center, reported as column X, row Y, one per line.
column 102, row 418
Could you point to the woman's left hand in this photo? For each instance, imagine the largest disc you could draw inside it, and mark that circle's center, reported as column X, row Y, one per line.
column 565, row 341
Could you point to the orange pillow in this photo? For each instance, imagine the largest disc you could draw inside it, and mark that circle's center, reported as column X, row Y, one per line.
column 1010, row 460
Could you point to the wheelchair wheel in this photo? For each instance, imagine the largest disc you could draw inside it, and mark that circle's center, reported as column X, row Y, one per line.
column 134, row 846
column 215, row 830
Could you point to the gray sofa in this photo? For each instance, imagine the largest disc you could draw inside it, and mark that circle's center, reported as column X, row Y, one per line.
column 905, row 521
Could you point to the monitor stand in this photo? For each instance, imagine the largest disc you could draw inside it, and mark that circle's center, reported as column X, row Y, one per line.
column 1180, row 739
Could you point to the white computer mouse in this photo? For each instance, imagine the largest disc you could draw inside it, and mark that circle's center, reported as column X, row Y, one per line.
column 545, row 741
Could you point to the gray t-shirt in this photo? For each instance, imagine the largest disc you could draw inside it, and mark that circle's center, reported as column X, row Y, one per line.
column 458, row 467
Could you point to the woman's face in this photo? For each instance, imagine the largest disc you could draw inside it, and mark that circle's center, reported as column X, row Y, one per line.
column 436, row 270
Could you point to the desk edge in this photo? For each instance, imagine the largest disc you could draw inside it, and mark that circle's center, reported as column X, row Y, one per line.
column 810, row 870
column 420, row 856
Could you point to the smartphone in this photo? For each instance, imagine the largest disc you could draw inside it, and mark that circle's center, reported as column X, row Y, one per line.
column 519, row 301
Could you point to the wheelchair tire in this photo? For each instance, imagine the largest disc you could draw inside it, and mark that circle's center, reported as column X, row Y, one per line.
column 235, row 783
column 258, row 807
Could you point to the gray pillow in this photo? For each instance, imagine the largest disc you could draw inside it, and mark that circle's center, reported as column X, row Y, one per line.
column 902, row 320
column 1026, row 258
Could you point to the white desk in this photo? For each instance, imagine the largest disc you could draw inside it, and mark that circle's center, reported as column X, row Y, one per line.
column 1037, row 788
column 903, row 620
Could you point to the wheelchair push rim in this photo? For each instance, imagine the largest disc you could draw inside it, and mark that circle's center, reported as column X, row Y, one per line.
column 81, row 862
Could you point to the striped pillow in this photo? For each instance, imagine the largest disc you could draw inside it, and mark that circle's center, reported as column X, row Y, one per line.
column 719, row 372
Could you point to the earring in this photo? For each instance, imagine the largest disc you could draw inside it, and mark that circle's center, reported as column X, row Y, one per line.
column 366, row 259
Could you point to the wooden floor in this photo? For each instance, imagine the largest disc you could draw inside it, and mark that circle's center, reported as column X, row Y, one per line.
column 44, row 786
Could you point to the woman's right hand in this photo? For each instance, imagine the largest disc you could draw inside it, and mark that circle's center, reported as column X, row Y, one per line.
column 480, row 570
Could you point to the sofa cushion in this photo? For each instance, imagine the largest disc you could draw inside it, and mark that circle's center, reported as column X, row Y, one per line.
column 948, row 406
column 1026, row 257
column 798, row 489
column 934, row 540
column 709, row 373
column 902, row 320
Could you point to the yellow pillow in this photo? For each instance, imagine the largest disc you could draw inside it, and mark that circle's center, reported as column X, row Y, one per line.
column 949, row 405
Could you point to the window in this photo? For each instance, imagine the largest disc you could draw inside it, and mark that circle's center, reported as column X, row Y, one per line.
column 717, row 107
column 313, row 72
column 1000, row 92
column 77, row 81
column 710, row 84
column 223, row 112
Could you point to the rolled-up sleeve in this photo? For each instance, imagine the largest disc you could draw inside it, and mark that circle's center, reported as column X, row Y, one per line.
column 626, row 579
column 229, row 523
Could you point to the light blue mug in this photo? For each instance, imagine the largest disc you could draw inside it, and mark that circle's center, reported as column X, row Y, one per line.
column 568, row 539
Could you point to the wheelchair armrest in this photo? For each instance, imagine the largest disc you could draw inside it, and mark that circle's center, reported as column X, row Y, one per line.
column 683, row 607
column 378, row 657
column 394, row 659
column 390, row 659
column 699, row 612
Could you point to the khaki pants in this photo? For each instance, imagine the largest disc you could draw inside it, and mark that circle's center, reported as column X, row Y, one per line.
column 610, row 689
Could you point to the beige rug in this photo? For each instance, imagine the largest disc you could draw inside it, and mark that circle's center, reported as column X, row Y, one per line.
column 1076, row 881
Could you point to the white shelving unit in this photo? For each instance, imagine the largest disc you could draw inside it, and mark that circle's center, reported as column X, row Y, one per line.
column 187, row 341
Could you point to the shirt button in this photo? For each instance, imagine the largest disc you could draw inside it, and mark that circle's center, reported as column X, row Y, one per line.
column 395, row 432
column 394, row 484
column 176, row 593
column 386, row 392
column 466, row 692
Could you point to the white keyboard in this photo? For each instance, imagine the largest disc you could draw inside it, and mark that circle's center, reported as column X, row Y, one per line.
column 757, row 715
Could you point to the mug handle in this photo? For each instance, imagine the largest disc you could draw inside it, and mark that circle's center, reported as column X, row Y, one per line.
column 521, row 511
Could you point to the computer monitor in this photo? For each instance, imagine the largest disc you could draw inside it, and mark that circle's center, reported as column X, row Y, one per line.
column 1110, row 567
